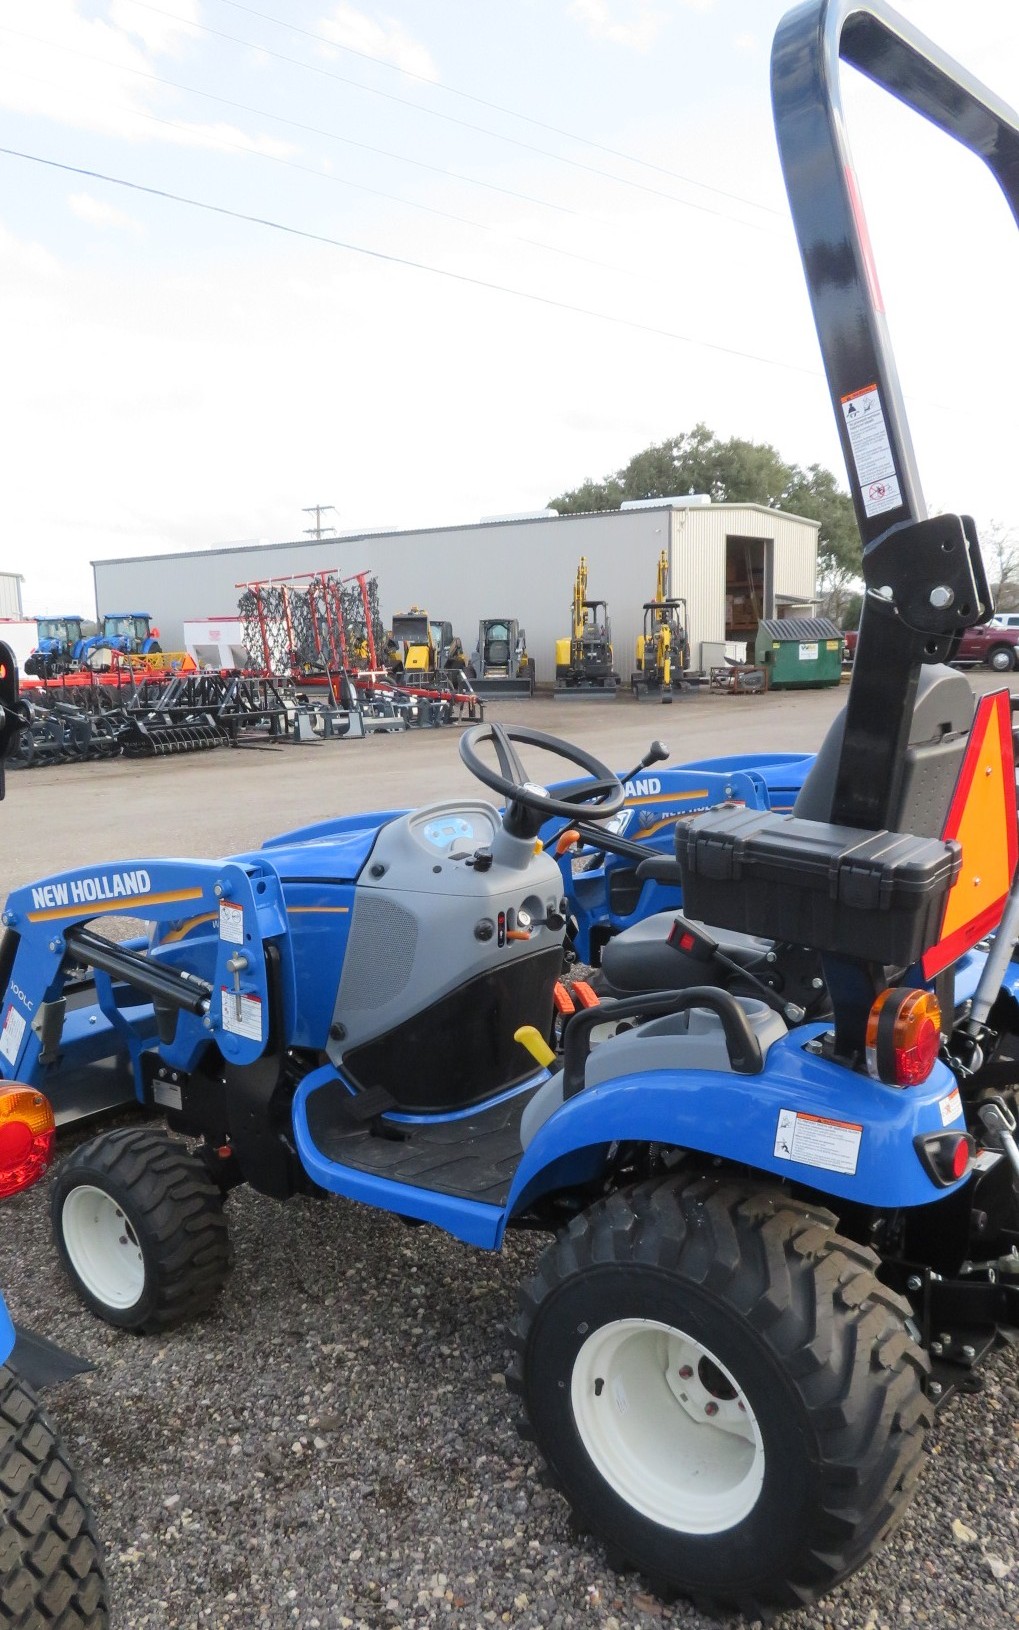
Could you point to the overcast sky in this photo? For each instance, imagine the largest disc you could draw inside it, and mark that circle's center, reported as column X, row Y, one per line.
column 174, row 378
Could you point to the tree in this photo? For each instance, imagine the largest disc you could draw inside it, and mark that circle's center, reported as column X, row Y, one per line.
column 1000, row 549
column 734, row 472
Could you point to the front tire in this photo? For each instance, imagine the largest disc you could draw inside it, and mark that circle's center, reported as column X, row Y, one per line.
column 140, row 1229
column 724, row 1391
column 51, row 1570
column 1001, row 659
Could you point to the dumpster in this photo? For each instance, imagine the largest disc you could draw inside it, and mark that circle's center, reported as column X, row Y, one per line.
column 799, row 651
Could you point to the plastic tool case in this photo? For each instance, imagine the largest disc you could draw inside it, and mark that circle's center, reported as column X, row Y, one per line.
column 879, row 896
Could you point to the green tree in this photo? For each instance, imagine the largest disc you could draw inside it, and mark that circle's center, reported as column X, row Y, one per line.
column 734, row 472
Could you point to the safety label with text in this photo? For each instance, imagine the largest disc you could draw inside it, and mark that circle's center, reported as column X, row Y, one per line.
column 231, row 923
column 872, row 450
column 10, row 1036
column 816, row 1140
column 242, row 1015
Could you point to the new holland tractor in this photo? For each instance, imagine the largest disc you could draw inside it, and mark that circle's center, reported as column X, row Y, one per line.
column 778, row 1240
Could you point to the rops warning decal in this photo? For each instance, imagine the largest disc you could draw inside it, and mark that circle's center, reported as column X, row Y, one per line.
column 872, row 451
column 817, row 1140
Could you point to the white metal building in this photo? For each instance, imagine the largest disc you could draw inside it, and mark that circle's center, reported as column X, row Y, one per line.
column 10, row 594
column 732, row 563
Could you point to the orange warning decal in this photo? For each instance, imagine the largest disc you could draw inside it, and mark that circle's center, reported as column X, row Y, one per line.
column 982, row 817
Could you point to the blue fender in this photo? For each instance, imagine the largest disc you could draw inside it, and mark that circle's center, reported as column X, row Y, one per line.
column 6, row 1333
column 803, row 1119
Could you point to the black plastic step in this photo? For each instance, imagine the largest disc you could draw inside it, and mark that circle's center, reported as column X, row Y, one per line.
column 474, row 1157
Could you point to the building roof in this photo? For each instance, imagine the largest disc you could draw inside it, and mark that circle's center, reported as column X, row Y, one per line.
column 453, row 526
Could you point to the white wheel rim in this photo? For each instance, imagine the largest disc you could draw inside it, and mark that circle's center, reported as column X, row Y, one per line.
column 667, row 1426
column 103, row 1247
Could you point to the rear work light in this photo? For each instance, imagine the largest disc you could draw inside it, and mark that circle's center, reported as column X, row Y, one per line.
column 903, row 1036
column 26, row 1138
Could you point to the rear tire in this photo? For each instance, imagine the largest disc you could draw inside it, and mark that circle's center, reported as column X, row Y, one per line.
column 51, row 1571
column 1001, row 659
column 140, row 1229
column 723, row 1390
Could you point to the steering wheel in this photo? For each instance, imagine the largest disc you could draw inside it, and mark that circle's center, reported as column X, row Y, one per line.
column 599, row 794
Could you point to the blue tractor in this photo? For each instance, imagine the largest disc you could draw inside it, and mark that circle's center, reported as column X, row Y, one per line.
column 50, row 1564
column 59, row 648
column 124, row 633
column 779, row 1239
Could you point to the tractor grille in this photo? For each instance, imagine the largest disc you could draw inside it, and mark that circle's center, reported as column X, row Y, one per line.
column 380, row 952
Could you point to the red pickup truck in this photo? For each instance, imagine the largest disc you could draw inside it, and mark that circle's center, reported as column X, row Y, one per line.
column 995, row 644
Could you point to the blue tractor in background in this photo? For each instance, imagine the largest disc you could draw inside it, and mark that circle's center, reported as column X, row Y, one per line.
column 59, row 648
column 124, row 633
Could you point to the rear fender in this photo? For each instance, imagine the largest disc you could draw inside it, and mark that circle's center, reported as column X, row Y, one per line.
column 802, row 1119
column 245, row 903
column 6, row 1333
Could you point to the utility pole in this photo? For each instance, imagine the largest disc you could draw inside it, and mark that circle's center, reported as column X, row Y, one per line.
column 318, row 510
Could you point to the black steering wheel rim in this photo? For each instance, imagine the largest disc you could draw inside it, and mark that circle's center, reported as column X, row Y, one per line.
column 599, row 796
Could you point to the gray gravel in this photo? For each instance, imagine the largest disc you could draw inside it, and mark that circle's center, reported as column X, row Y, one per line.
column 334, row 1446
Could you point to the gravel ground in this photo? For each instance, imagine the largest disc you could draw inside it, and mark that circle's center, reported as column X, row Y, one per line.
column 334, row 1446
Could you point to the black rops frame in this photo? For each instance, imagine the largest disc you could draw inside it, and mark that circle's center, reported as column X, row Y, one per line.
column 924, row 578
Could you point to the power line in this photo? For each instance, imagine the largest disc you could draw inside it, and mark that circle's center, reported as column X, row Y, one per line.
column 402, row 260
column 360, row 186
column 447, row 118
column 294, row 124
column 497, row 107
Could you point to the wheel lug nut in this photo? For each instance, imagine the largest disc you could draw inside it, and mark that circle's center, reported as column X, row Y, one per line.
column 685, row 1372
column 711, row 1409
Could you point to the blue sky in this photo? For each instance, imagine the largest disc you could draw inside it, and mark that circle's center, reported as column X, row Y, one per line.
column 176, row 378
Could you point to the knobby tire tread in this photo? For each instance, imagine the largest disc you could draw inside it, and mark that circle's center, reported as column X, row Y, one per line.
column 183, row 1211
column 51, row 1572
column 815, row 1297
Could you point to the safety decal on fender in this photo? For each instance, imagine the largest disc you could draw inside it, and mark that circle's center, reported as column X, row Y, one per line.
column 950, row 1107
column 242, row 1015
column 231, row 923
column 872, row 450
column 816, row 1140
column 10, row 1036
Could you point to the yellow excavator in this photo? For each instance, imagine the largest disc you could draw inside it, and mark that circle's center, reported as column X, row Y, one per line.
column 583, row 663
column 663, row 650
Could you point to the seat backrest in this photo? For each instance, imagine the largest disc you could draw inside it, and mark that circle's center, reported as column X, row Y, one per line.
column 942, row 715
column 497, row 652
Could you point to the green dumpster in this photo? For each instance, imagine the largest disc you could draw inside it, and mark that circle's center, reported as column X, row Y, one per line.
column 799, row 651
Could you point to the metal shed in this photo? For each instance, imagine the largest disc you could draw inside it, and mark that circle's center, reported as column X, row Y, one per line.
column 733, row 563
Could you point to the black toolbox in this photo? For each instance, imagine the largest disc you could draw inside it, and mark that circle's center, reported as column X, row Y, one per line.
column 877, row 896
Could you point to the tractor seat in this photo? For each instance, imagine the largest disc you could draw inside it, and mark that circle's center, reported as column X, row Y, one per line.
column 497, row 652
column 640, row 958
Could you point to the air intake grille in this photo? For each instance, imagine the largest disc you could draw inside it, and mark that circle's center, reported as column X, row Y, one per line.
column 380, row 954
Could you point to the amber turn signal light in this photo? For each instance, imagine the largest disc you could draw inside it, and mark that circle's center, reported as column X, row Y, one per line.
column 26, row 1138
column 903, row 1036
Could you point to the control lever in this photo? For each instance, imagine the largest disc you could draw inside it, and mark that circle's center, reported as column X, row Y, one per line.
column 1000, row 1125
column 697, row 943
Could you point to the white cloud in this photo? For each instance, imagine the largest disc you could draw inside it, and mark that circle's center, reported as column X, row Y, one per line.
column 164, row 30
column 89, row 73
column 98, row 213
column 381, row 37
column 633, row 23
